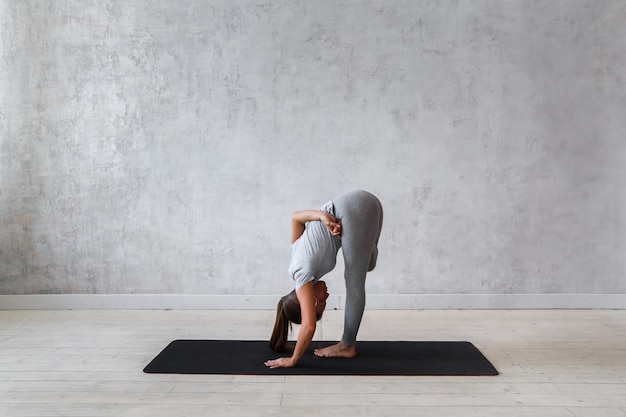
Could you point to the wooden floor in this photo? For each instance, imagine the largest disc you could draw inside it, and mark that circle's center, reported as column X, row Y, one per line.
column 561, row 363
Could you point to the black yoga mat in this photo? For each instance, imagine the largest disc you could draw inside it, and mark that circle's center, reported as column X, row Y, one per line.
column 246, row 357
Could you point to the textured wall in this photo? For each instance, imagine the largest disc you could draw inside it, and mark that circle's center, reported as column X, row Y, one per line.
column 160, row 146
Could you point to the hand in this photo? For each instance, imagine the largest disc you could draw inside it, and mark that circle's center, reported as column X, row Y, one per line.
column 280, row 363
column 331, row 223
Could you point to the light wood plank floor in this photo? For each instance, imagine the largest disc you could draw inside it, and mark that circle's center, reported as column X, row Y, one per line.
column 561, row 363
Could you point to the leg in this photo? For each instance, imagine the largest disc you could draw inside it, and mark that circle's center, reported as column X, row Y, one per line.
column 361, row 219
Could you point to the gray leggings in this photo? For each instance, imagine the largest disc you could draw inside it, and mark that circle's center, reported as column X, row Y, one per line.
column 361, row 216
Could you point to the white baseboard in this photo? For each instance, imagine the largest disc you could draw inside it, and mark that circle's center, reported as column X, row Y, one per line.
column 268, row 302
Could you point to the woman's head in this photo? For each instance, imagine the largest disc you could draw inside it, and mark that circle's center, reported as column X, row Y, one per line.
column 288, row 311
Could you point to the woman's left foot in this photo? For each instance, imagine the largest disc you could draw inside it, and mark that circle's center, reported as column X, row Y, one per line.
column 336, row 351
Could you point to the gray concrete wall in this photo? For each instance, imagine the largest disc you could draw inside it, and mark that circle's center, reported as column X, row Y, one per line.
column 160, row 146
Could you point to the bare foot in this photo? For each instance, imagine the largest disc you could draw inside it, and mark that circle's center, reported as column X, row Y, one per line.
column 337, row 351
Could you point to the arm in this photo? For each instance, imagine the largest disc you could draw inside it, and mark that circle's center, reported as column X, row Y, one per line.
column 300, row 218
column 307, row 328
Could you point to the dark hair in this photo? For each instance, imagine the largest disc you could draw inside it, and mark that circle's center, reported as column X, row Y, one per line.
column 287, row 312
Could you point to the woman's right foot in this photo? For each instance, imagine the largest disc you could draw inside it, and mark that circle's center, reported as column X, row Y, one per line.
column 336, row 351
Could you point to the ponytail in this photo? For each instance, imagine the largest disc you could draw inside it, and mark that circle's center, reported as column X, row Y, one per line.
column 287, row 312
column 278, row 341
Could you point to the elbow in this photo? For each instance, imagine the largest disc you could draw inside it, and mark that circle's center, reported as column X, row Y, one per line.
column 307, row 329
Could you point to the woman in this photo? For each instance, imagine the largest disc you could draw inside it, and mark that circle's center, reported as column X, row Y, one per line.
column 352, row 221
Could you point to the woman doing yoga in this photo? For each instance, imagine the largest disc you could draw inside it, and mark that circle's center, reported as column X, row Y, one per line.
column 353, row 222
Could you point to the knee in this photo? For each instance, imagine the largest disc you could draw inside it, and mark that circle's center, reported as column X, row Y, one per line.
column 373, row 259
column 372, row 265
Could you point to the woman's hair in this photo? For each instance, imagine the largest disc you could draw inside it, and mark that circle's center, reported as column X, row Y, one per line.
column 287, row 312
